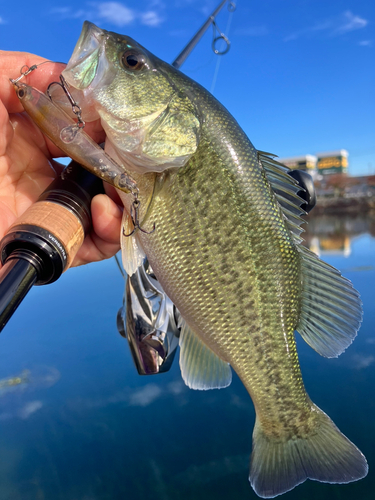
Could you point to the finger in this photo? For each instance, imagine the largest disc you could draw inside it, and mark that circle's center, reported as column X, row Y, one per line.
column 10, row 65
column 47, row 72
column 106, row 218
column 6, row 130
column 104, row 241
column 112, row 193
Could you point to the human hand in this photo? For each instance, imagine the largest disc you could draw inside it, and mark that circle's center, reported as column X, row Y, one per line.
column 27, row 166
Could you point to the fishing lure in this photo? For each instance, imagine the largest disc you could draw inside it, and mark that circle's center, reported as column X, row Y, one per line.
column 69, row 136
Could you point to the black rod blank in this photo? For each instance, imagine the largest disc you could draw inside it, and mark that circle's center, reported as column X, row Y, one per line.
column 183, row 55
column 17, row 276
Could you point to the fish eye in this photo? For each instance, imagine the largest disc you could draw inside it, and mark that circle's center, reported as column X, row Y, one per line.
column 133, row 59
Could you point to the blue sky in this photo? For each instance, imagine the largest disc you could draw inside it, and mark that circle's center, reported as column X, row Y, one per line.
column 299, row 77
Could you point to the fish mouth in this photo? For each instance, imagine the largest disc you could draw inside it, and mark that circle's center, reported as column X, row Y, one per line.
column 86, row 62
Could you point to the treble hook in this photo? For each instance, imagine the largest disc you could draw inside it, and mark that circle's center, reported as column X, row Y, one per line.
column 76, row 109
column 134, row 214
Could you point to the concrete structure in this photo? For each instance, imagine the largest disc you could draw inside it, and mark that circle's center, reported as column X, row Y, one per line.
column 306, row 162
column 333, row 162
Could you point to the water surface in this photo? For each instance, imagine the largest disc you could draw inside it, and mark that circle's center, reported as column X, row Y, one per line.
column 82, row 425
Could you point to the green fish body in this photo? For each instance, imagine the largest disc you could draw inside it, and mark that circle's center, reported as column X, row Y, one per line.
column 227, row 251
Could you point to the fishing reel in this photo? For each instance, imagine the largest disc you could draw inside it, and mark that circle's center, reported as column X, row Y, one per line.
column 150, row 321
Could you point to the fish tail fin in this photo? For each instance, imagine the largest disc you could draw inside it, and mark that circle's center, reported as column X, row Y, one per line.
column 323, row 454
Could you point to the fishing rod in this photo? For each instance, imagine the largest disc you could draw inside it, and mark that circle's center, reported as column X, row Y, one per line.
column 43, row 242
column 184, row 54
column 37, row 253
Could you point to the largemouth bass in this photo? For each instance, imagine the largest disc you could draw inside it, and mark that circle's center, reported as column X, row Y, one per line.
column 226, row 250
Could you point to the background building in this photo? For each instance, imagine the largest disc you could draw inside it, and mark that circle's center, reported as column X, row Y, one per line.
column 306, row 162
column 333, row 162
column 321, row 164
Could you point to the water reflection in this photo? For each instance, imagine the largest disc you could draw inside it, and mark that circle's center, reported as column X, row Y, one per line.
column 333, row 235
column 81, row 424
column 19, row 394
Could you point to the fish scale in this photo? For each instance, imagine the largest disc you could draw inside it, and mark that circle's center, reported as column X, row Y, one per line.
column 181, row 203
column 227, row 251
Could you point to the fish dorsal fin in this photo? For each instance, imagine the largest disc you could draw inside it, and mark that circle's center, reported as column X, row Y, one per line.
column 286, row 190
column 331, row 310
column 200, row 367
column 131, row 252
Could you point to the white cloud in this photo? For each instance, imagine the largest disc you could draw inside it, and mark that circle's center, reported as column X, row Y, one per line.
column 176, row 387
column 336, row 26
column 366, row 43
column 115, row 13
column 361, row 361
column 2, row 21
column 68, row 13
column 240, row 402
column 145, row 396
column 29, row 409
column 24, row 412
column 151, row 18
column 350, row 22
column 142, row 396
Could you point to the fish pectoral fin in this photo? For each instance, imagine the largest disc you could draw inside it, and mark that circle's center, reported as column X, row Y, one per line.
column 321, row 453
column 331, row 309
column 131, row 252
column 200, row 367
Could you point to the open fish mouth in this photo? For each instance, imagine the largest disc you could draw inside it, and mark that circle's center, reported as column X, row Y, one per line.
column 86, row 62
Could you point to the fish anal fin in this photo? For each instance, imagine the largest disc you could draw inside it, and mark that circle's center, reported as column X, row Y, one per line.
column 200, row 367
column 325, row 454
column 331, row 310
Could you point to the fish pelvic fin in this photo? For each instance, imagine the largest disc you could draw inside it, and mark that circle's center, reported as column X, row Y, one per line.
column 331, row 309
column 131, row 252
column 324, row 454
column 200, row 367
